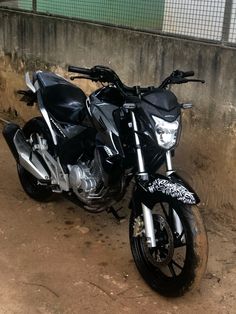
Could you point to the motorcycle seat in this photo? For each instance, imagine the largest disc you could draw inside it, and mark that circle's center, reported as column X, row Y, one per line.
column 63, row 100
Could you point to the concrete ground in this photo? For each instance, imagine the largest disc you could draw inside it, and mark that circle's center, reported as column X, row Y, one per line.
column 56, row 258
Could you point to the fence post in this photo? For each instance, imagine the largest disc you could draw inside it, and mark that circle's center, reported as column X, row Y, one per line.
column 34, row 5
column 227, row 21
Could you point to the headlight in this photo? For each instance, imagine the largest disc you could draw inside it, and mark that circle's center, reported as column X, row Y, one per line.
column 166, row 132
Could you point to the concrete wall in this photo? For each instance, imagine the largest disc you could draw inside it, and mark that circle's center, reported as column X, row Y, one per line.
column 207, row 153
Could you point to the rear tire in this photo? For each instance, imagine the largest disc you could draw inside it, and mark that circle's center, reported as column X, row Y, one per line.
column 163, row 267
column 30, row 184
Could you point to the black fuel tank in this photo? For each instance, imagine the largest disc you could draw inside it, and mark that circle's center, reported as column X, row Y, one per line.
column 65, row 101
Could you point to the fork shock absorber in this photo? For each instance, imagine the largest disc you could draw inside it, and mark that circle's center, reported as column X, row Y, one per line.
column 147, row 213
column 169, row 171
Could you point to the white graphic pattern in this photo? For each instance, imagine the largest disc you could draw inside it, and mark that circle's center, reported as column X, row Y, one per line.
column 172, row 189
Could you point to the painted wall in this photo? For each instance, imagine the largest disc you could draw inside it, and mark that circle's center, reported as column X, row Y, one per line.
column 139, row 13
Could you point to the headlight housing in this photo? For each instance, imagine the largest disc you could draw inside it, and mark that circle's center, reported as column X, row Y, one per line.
column 167, row 133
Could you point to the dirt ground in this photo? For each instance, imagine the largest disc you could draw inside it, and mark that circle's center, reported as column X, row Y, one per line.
column 56, row 258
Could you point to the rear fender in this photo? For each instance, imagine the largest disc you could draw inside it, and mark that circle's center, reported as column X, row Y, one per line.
column 162, row 188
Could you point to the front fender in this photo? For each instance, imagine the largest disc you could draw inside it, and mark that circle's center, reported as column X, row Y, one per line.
column 163, row 188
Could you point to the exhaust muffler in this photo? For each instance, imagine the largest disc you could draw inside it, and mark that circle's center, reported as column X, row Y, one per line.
column 23, row 152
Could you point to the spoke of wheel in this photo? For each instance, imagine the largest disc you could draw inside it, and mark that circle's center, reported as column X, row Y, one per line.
column 171, row 268
column 176, row 264
column 164, row 250
column 180, row 245
column 178, row 242
column 180, row 237
column 164, row 211
column 171, row 218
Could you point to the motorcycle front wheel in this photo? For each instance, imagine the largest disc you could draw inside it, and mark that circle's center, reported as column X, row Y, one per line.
column 178, row 262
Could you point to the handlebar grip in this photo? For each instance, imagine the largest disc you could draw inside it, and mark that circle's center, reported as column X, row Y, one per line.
column 188, row 73
column 75, row 69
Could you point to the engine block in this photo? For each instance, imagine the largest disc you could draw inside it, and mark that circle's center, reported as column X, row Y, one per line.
column 80, row 178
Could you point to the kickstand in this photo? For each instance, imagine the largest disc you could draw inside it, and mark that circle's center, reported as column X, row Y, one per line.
column 114, row 212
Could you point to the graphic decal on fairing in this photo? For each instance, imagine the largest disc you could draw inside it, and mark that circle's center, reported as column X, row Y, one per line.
column 172, row 189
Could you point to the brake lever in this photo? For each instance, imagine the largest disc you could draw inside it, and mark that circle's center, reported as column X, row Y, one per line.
column 195, row 80
column 95, row 79
column 178, row 80
column 72, row 78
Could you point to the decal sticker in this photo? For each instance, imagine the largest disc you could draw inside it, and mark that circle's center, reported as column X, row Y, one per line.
column 172, row 189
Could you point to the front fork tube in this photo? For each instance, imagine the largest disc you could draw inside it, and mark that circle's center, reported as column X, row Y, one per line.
column 147, row 213
column 149, row 226
column 169, row 170
column 141, row 166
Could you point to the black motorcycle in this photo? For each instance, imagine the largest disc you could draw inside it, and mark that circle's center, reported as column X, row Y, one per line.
column 90, row 148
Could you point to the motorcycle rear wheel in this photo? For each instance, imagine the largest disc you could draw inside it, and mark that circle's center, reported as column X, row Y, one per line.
column 178, row 262
column 30, row 184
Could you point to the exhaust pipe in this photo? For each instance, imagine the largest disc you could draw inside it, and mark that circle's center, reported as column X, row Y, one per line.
column 23, row 152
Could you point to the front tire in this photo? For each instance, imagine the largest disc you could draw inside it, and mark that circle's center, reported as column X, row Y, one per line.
column 178, row 262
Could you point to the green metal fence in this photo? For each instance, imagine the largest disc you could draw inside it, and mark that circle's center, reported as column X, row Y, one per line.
column 210, row 20
column 133, row 13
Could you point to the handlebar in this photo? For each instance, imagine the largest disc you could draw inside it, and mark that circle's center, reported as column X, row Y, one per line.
column 75, row 69
column 179, row 77
column 106, row 75
column 188, row 73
